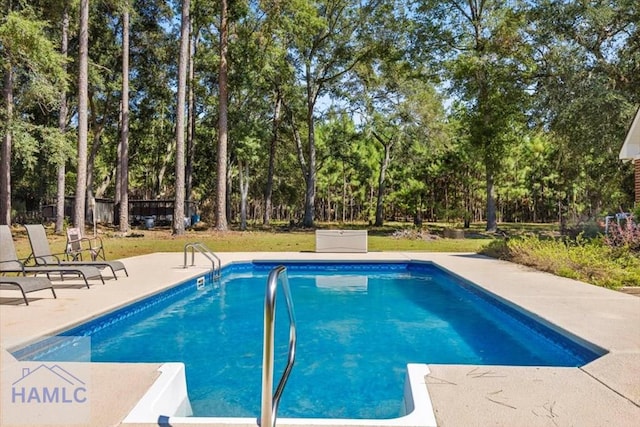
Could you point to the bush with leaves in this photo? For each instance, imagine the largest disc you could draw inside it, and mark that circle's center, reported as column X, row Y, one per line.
column 624, row 236
column 588, row 260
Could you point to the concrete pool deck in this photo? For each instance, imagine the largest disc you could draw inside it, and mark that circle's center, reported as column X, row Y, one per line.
column 603, row 392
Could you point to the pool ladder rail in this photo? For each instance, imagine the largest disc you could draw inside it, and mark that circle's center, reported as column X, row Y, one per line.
column 208, row 253
column 269, row 409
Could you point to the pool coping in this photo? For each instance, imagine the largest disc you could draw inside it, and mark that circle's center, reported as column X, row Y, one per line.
column 461, row 395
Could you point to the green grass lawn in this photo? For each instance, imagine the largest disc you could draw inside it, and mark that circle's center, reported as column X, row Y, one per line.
column 276, row 239
column 575, row 261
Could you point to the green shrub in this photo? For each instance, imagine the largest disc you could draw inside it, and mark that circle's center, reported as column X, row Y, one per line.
column 625, row 235
column 496, row 249
column 587, row 260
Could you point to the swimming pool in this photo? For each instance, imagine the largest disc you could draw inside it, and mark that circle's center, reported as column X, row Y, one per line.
column 430, row 316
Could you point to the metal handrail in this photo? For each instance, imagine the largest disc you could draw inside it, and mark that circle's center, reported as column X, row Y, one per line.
column 270, row 403
column 208, row 253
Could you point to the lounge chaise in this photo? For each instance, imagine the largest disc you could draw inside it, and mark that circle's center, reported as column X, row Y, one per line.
column 41, row 253
column 26, row 285
column 10, row 263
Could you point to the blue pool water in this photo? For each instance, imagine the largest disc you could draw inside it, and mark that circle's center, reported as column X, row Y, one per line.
column 359, row 324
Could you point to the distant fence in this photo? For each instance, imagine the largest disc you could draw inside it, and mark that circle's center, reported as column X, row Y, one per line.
column 105, row 211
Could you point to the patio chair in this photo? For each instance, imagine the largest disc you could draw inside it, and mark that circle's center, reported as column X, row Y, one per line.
column 77, row 245
column 26, row 285
column 10, row 263
column 41, row 253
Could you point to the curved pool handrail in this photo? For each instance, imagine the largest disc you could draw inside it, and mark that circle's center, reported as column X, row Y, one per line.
column 208, row 253
column 270, row 403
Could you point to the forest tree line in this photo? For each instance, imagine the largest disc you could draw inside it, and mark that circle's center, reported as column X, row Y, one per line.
column 330, row 110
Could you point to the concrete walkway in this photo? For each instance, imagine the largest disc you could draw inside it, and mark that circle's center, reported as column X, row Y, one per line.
column 604, row 392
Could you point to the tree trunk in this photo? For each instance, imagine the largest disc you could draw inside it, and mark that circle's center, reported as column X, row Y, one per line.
column 5, row 152
column 344, row 193
column 243, row 170
column 166, row 159
column 221, row 191
column 101, row 188
column 178, row 206
column 310, row 176
column 384, row 165
column 97, row 130
column 310, row 192
column 123, row 176
column 492, row 224
column 228, row 192
column 299, row 148
column 83, row 83
column 62, row 125
column 468, row 211
column 118, row 192
column 268, row 192
column 191, row 127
